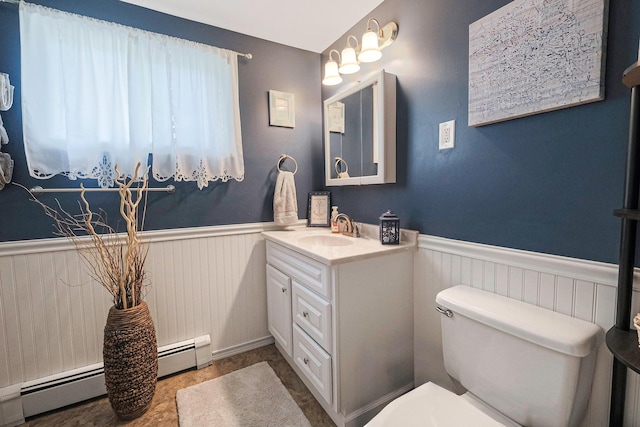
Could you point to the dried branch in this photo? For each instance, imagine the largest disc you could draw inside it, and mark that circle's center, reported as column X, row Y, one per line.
column 116, row 263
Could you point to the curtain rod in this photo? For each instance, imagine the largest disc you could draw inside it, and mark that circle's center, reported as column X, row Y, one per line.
column 37, row 190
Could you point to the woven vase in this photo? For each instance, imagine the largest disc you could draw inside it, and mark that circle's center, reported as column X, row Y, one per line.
column 130, row 356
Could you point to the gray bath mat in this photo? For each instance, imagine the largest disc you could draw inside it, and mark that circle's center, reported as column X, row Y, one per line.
column 253, row 396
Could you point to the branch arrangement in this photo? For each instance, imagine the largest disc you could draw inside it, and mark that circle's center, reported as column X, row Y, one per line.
column 116, row 263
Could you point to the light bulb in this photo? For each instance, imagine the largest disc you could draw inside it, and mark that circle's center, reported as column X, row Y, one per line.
column 370, row 51
column 331, row 75
column 349, row 64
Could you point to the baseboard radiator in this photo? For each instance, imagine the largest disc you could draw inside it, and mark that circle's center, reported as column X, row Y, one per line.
column 45, row 394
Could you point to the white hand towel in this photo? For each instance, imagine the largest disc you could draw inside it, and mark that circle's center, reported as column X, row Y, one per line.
column 6, row 169
column 4, row 138
column 285, row 203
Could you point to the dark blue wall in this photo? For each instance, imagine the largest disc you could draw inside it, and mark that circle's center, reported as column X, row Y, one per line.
column 273, row 66
column 546, row 183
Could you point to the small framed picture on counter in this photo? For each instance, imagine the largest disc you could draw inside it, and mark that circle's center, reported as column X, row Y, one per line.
column 318, row 209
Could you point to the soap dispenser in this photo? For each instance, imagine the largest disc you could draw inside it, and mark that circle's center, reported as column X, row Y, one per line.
column 334, row 220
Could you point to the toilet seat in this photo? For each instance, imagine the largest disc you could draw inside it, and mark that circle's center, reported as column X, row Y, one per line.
column 432, row 406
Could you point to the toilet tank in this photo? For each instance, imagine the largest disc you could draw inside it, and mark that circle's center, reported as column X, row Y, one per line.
column 531, row 364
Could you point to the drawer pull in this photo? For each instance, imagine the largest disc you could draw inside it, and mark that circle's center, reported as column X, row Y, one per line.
column 284, row 290
column 305, row 314
column 306, row 361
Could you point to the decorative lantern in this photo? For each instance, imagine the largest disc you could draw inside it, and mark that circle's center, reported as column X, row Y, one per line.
column 389, row 229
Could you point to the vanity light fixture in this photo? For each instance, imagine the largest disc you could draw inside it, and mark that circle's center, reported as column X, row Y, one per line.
column 331, row 74
column 349, row 63
column 368, row 51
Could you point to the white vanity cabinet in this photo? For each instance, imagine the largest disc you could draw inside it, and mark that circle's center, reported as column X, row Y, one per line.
column 346, row 328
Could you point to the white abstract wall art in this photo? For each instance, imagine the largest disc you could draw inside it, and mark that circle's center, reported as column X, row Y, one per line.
column 533, row 56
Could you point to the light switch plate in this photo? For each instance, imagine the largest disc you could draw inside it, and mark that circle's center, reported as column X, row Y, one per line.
column 447, row 135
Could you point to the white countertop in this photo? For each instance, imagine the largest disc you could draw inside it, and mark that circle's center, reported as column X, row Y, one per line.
column 355, row 248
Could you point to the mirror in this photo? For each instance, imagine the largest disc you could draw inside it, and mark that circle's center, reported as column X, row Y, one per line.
column 360, row 133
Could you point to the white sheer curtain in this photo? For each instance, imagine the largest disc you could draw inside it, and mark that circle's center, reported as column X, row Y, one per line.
column 96, row 94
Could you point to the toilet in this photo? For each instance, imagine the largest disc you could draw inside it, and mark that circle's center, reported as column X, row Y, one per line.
column 521, row 365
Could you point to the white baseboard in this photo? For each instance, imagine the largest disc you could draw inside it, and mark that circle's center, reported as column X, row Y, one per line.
column 366, row 413
column 237, row 349
column 19, row 401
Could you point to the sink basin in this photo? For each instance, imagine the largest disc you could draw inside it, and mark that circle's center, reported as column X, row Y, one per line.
column 325, row 240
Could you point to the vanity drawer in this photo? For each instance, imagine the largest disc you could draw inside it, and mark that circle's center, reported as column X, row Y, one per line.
column 313, row 314
column 313, row 361
column 313, row 274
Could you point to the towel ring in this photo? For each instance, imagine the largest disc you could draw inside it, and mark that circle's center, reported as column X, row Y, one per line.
column 285, row 157
column 338, row 167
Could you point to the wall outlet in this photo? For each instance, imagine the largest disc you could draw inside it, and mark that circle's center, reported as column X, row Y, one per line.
column 447, row 135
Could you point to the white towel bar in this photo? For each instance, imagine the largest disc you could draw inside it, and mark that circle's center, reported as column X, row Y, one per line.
column 37, row 190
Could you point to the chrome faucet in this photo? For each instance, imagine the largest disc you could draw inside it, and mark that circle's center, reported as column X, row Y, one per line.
column 352, row 228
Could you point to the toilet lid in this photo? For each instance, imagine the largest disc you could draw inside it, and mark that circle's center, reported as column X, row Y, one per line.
column 432, row 406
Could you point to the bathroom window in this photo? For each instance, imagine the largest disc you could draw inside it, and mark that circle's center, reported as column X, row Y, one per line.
column 96, row 94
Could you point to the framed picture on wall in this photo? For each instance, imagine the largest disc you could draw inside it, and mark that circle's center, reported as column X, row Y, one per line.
column 573, row 46
column 281, row 109
column 336, row 117
column 318, row 209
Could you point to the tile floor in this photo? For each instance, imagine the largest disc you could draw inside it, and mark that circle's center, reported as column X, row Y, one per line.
column 163, row 412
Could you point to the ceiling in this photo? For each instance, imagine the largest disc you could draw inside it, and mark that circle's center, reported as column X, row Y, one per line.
column 311, row 25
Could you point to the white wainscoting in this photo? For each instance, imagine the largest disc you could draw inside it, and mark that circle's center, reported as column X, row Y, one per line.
column 208, row 280
column 211, row 280
column 582, row 289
